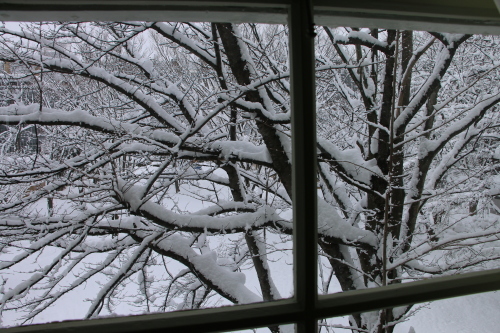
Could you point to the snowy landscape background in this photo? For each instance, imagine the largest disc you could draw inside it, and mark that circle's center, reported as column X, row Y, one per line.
column 146, row 167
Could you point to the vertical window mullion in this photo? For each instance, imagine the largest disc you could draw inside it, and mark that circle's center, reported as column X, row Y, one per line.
column 303, row 101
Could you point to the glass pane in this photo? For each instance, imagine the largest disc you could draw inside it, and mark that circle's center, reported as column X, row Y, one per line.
column 145, row 167
column 408, row 180
column 472, row 313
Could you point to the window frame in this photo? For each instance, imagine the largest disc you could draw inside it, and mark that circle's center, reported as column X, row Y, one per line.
column 306, row 307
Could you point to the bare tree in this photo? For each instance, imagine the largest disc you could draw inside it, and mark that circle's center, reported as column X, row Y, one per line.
column 142, row 114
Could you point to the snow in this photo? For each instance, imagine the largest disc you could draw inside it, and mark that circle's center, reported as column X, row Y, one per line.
column 331, row 224
column 466, row 314
column 261, row 244
column 363, row 36
column 496, row 155
column 242, row 150
column 171, row 31
column 125, row 269
column 232, row 284
column 165, row 217
column 407, row 113
column 145, row 100
column 35, row 246
column 352, row 162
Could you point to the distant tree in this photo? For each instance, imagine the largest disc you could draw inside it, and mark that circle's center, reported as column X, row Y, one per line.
column 145, row 114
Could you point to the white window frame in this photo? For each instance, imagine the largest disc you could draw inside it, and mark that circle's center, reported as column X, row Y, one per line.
column 306, row 307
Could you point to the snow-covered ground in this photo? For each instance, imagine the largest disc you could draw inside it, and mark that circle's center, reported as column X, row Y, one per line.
column 478, row 313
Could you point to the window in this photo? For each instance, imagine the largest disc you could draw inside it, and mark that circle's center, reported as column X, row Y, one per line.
column 305, row 309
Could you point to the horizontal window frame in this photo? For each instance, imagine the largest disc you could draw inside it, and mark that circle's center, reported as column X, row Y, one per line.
column 467, row 16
